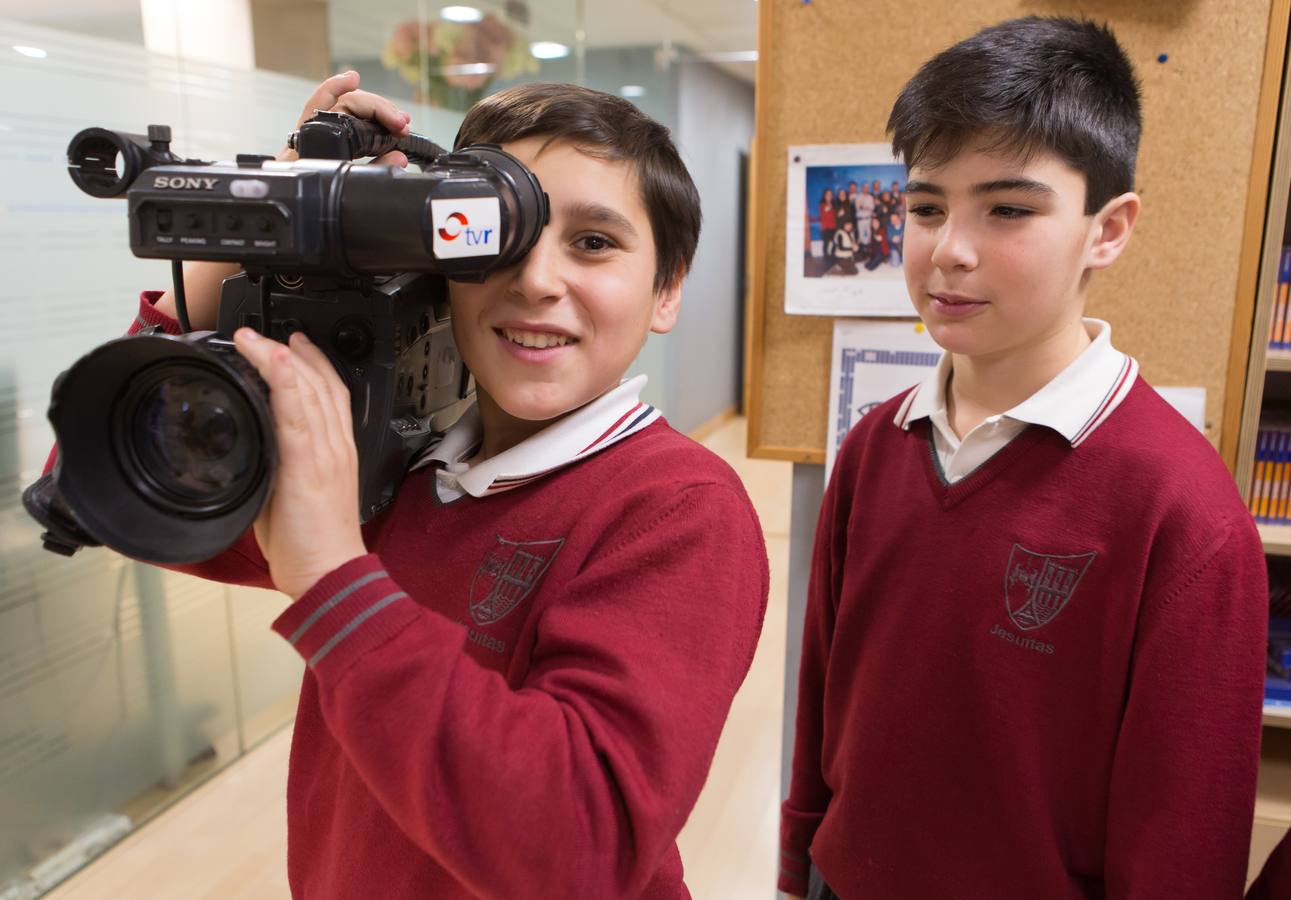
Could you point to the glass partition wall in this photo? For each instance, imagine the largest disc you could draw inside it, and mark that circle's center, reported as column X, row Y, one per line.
column 121, row 685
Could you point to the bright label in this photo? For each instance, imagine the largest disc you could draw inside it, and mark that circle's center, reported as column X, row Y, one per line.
column 466, row 227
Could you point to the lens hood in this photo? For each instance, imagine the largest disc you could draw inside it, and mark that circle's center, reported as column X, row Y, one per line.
column 166, row 445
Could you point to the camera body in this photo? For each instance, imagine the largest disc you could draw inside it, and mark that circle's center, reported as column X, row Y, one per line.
column 391, row 342
column 166, row 446
column 332, row 217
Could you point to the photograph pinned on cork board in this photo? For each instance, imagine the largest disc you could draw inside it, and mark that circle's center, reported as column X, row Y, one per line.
column 844, row 232
column 872, row 362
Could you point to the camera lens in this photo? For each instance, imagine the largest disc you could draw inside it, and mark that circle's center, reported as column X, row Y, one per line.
column 166, row 445
column 190, row 438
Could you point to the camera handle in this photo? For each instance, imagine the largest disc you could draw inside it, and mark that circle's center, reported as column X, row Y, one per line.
column 335, row 135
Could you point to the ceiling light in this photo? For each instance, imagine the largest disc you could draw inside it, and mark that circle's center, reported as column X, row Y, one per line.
column 548, row 50
column 460, row 14
column 468, row 69
column 728, row 56
column 632, row 90
column 33, row 52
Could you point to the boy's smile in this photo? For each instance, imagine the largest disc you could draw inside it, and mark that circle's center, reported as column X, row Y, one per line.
column 997, row 254
column 561, row 327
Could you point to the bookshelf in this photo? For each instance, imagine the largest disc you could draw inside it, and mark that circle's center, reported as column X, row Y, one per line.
column 1277, row 539
column 1268, row 390
column 1267, row 393
column 1277, row 713
column 1267, row 396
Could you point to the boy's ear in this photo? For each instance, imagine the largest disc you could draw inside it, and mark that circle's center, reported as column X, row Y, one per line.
column 1113, row 225
column 667, row 306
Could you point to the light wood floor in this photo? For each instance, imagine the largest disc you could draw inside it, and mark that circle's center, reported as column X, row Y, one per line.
column 227, row 840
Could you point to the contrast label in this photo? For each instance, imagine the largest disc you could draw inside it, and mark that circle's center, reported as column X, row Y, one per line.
column 466, row 227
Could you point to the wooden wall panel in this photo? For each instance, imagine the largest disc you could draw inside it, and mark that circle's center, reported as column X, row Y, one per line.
column 1171, row 297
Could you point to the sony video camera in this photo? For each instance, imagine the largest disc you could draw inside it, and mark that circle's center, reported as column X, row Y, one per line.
column 166, row 445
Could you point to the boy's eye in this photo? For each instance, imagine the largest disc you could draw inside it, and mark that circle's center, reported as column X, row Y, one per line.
column 923, row 210
column 1010, row 212
column 594, row 243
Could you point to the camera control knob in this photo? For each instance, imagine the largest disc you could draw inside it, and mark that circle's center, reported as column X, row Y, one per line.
column 159, row 137
column 352, row 340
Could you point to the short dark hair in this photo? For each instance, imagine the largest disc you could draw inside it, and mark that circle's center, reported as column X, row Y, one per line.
column 607, row 127
column 1037, row 83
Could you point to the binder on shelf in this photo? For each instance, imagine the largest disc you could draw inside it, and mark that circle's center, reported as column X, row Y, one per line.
column 1268, row 508
column 1269, row 500
column 1280, row 321
column 1278, row 508
column 1257, row 473
column 1277, row 674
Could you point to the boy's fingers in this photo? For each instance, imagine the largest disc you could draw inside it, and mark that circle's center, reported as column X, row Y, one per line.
column 373, row 106
column 393, row 158
column 255, row 349
column 285, row 400
column 340, row 93
column 311, row 418
column 329, row 383
column 329, row 93
column 273, row 361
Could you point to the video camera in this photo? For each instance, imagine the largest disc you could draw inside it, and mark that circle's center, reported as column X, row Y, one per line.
column 166, row 444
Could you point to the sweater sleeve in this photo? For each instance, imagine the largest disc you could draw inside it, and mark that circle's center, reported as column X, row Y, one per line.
column 809, row 795
column 240, row 564
column 1183, row 778
column 576, row 783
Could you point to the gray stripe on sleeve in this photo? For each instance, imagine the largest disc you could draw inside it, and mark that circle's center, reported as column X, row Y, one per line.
column 332, row 601
column 354, row 623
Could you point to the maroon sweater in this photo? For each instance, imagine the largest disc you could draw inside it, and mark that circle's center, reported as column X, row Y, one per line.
column 520, row 696
column 1042, row 681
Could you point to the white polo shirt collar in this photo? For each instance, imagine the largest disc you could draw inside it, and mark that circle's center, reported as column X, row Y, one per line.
column 1074, row 403
column 611, row 417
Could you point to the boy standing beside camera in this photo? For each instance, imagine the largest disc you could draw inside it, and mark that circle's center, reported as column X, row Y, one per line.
column 1032, row 661
column 518, row 673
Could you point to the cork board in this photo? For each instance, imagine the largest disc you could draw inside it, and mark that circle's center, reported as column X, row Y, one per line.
column 1173, row 296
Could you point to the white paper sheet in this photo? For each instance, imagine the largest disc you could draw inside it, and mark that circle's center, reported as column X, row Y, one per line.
column 1190, row 402
column 871, row 362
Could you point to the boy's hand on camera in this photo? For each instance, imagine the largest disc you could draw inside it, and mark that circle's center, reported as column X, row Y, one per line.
column 310, row 525
column 341, row 93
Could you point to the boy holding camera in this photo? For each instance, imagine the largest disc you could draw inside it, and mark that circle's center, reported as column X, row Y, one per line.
column 1033, row 653
column 518, row 673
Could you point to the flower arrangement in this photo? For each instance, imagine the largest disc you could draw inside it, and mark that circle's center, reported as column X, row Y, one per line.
column 452, row 64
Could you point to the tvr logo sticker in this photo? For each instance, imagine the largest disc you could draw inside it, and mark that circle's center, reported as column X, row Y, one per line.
column 466, row 226
column 459, row 226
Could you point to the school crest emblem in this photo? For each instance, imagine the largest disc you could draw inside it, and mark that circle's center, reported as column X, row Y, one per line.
column 1037, row 586
column 509, row 573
